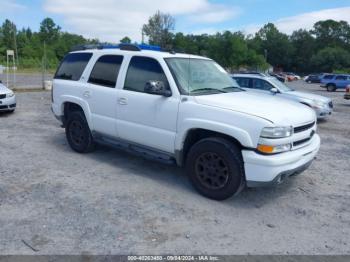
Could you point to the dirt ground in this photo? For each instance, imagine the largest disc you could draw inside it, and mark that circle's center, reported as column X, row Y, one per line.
column 55, row 201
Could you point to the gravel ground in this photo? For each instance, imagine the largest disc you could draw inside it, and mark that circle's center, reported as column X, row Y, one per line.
column 108, row 202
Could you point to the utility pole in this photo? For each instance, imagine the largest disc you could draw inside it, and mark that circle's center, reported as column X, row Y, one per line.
column 44, row 66
column 15, row 41
column 143, row 36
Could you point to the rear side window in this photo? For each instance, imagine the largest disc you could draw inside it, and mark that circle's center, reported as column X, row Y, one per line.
column 243, row 82
column 328, row 76
column 72, row 66
column 106, row 70
column 142, row 70
column 341, row 78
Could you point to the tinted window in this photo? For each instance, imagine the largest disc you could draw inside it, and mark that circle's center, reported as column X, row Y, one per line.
column 261, row 84
column 141, row 70
column 105, row 71
column 328, row 77
column 243, row 82
column 341, row 78
column 72, row 66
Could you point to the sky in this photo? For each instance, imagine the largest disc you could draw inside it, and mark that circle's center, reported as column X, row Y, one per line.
column 111, row 20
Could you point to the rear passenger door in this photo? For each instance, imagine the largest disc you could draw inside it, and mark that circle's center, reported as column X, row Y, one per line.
column 143, row 118
column 341, row 81
column 101, row 93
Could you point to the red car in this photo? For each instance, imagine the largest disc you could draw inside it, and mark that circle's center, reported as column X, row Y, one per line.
column 347, row 93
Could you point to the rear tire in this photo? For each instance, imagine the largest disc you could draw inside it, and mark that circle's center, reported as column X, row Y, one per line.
column 331, row 88
column 215, row 168
column 78, row 133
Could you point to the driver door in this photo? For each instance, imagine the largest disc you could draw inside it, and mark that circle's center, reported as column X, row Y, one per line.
column 142, row 118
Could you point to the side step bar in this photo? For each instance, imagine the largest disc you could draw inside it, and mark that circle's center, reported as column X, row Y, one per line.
column 145, row 152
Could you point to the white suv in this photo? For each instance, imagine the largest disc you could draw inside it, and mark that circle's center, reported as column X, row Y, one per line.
column 182, row 109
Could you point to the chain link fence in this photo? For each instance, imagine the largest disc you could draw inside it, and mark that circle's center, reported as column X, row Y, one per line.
column 22, row 80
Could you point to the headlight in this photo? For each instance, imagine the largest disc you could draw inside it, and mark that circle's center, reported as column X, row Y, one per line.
column 268, row 149
column 10, row 94
column 277, row 132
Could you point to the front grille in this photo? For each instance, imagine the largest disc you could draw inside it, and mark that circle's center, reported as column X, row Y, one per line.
column 3, row 96
column 299, row 129
column 298, row 143
column 330, row 104
column 3, row 107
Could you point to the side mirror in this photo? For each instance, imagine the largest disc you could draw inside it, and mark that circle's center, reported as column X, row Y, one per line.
column 274, row 90
column 157, row 88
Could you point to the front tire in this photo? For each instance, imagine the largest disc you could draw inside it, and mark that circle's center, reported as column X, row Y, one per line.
column 331, row 88
column 215, row 168
column 78, row 133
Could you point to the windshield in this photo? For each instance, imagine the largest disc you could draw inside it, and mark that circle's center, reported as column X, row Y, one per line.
column 280, row 86
column 200, row 76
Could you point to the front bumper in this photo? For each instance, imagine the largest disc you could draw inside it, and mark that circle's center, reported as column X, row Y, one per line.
column 264, row 170
column 8, row 103
column 323, row 112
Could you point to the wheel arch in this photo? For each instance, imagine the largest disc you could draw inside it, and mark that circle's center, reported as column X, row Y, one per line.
column 73, row 105
column 193, row 135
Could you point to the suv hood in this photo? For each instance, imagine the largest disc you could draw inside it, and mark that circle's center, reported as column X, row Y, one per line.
column 281, row 112
column 309, row 96
column 3, row 89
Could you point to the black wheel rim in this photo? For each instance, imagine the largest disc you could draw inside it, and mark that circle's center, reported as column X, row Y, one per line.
column 76, row 132
column 212, row 170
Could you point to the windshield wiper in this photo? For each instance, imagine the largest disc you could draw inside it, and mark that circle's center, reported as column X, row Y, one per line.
column 236, row 88
column 208, row 89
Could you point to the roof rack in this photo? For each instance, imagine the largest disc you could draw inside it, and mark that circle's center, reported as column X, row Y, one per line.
column 121, row 46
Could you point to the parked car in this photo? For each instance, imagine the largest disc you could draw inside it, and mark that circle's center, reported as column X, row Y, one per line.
column 7, row 99
column 279, row 77
column 333, row 82
column 313, row 78
column 347, row 93
column 183, row 109
column 323, row 106
column 293, row 76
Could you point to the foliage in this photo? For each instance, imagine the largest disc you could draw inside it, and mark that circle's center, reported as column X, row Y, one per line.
column 325, row 48
column 158, row 29
column 330, row 59
column 125, row 40
column 32, row 45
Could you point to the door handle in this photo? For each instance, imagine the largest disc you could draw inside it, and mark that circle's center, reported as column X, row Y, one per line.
column 86, row 94
column 122, row 101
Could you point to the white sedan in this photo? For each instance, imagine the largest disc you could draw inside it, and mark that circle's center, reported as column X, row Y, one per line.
column 7, row 99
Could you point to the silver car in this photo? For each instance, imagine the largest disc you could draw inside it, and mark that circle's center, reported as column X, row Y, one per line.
column 7, row 99
column 322, row 105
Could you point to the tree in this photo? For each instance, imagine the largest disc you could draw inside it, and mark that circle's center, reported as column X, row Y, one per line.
column 125, row 40
column 275, row 44
column 332, row 33
column 49, row 31
column 7, row 34
column 304, row 46
column 331, row 59
column 158, row 29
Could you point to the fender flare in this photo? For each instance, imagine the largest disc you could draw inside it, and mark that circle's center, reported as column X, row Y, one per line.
column 80, row 102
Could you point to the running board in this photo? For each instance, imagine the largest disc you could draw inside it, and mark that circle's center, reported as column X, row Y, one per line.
column 145, row 152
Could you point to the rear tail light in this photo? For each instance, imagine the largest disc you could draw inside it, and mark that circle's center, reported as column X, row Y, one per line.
column 348, row 89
